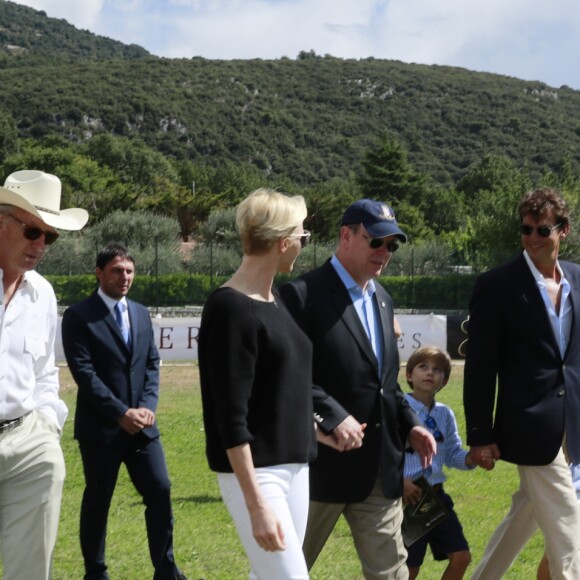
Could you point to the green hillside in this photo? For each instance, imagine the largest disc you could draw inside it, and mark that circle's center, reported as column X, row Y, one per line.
column 308, row 119
column 28, row 35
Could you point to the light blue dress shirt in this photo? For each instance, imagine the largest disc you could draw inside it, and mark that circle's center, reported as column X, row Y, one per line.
column 450, row 452
column 365, row 307
column 561, row 321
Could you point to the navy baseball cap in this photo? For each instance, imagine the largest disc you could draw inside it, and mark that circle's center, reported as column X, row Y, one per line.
column 377, row 217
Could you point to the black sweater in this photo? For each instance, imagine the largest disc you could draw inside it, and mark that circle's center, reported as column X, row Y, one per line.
column 255, row 368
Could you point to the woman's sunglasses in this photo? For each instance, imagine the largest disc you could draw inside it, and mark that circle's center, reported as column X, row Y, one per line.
column 543, row 231
column 304, row 238
column 376, row 243
column 31, row 233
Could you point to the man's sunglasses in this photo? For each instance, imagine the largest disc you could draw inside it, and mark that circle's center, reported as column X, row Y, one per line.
column 31, row 233
column 543, row 231
column 376, row 243
column 304, row 238
column 431, row 424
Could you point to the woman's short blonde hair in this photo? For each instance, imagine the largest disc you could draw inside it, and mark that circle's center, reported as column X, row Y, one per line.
column 265, row 216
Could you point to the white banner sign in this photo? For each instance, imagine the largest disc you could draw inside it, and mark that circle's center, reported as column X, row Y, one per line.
column 176, row 338
column 421, row 330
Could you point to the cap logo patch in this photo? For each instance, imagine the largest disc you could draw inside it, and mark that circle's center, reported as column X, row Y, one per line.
column 386, row 213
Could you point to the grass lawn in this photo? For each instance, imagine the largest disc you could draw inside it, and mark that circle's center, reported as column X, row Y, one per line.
column 206, row 543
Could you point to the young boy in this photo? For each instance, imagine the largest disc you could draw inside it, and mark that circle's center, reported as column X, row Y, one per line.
column 428, row 370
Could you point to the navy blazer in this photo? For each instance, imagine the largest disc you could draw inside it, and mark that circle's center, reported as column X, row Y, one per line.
column 111, row 376
column 347, row 382
column 510, row 340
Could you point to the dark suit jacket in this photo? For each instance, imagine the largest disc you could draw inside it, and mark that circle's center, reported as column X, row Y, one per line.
column 538, row 391
column 111, row 377
column 347, row 382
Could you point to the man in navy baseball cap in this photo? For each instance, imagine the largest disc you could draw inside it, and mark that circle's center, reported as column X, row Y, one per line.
column 377, row 217
column 358, row 403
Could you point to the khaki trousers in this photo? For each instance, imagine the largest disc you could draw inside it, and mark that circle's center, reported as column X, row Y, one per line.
column 546, row 498
column 31, row 478
column 375, row 525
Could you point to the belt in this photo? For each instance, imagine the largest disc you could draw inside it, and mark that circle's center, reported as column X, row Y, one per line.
column 12, row 423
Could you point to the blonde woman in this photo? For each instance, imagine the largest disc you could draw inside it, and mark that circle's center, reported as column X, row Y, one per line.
column 256, row 383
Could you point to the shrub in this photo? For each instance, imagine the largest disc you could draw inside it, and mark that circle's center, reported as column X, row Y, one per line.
column 448, row 292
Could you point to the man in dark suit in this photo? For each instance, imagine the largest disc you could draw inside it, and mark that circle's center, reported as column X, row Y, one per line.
column 523, row 334
column 357, row 400
column 109, row 347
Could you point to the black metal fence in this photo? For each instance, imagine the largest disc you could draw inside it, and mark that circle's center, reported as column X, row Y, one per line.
column 419, row 278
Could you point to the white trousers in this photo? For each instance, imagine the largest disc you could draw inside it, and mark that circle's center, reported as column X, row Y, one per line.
column 285, row 488
column 32, row 474
column 546, row 498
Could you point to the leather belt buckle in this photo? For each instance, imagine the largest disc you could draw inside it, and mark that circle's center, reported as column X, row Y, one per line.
column 6, row 426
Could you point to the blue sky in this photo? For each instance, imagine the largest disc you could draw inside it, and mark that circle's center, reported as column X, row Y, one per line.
column 528, row 39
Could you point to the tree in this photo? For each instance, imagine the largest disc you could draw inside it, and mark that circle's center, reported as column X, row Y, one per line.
column 326, row 204
column 8, row 136
column 412, row 221
column 153, row 240
column 195, row 199
column 307, row 55
column 232, row 182
column 567, row 182
column 491, row 173
column 388, row 175
column 147, row 172
column 220, row 228
column 444, row 210
column 204, row 188
column 85, row 183
column 492, row 189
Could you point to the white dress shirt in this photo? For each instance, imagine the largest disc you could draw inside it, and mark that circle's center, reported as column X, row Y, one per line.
column 561, row 321
column 28, row 374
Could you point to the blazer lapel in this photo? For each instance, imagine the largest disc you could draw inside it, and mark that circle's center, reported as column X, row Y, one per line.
column 575, row 303
column 386, row 328
column 341, row 300
column 111, row 323
column 132, row 325
column 529, row 294
column 107, row 315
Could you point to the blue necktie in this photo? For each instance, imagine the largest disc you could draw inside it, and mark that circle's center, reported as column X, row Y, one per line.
column 120, row 321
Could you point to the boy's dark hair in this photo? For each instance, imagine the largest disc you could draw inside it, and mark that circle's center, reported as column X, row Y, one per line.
column 111, row 251
column 429, row 353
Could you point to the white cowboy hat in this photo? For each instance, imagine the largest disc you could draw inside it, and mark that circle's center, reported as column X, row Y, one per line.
column 38, row 193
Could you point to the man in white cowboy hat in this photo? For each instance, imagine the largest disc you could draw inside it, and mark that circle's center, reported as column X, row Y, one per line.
column 31, row 414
